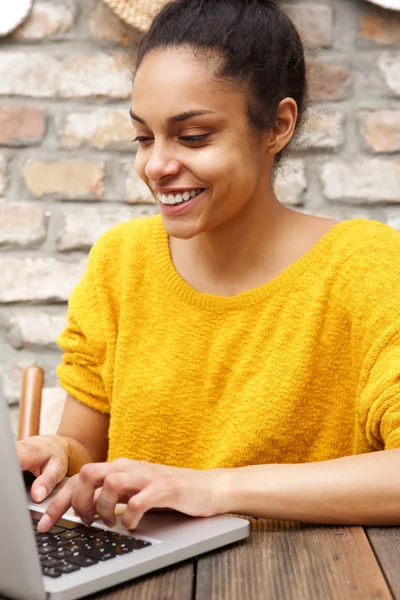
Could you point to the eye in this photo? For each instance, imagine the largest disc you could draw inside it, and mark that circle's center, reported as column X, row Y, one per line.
column 192, row 139
column 142, row 139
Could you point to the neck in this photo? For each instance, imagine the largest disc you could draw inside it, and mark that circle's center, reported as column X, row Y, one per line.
column 240, row 253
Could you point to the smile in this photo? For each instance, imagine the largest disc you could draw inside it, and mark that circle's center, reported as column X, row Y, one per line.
column 178, row 197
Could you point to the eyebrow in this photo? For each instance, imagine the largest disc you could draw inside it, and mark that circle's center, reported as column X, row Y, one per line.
column 176, row 118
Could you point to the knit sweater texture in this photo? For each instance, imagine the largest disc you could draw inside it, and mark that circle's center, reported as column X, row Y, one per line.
column 304, row 368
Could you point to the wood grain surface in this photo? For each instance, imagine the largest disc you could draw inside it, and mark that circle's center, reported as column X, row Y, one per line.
column 175, row 583
column 293, row 562
column 385, row 542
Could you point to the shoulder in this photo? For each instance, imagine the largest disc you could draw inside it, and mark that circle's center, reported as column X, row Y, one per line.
column 367, row 270
column 363, row 234
column 124, row 251
column 127, row 236
column 126, row 244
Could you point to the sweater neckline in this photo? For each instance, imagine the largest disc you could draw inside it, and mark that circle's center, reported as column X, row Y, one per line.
column 208, row 301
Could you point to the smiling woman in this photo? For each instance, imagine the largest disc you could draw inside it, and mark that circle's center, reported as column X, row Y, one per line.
column 231, row 354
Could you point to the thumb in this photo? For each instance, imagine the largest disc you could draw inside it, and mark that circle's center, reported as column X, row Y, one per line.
column 52, row 474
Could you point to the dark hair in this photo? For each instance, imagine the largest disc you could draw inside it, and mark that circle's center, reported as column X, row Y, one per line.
column 258, row 43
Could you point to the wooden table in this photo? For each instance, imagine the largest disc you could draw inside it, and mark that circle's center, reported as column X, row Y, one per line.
column 282, row 561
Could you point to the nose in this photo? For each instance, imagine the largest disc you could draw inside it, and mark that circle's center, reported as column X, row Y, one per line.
column 161, row 163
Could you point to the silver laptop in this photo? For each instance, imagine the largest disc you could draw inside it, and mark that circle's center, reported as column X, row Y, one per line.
column 74, row 560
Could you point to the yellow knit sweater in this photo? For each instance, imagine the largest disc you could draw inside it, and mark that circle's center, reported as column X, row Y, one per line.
column 304, row 368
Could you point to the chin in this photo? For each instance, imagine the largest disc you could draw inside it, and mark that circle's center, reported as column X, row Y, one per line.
column 180, row 229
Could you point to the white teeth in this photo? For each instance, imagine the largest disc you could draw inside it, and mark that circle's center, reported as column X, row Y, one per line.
column 178, row 198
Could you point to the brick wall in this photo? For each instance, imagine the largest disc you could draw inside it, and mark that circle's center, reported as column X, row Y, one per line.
column 66, row 157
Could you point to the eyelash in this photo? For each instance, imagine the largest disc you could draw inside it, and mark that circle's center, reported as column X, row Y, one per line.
column 192, row 139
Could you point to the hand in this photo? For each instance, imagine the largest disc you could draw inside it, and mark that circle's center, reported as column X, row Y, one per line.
column 46, row 456
column 142, row 486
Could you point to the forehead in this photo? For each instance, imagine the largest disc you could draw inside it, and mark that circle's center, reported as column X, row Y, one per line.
column 170, row 81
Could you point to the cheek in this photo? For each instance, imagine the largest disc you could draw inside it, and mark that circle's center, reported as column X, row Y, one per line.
column 215, row 166
column 225, row 170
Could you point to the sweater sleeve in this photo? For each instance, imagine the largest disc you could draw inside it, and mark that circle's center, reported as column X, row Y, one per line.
column 83, row 343
column 379, row 405
column 375, row 308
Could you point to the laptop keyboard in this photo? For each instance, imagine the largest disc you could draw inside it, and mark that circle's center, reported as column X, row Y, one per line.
column 70, row 546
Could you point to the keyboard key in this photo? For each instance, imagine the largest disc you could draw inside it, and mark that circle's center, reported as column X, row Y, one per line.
column 137, row 544
column 107, row 556
column 57, row 541
column 49, row 561
column 122, row 549
column 46, row 549
column 69, row 535
column 98, row 553
column 73, row 547
column 81, row 561
column 67, row 568
column 41, row 538
column 56, row 529
column 68, row 524
column 60, row 553
column 51, row 572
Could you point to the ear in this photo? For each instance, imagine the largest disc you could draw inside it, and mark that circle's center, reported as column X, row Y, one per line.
column 284, row 127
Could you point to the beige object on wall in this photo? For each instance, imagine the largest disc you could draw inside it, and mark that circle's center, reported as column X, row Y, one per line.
column 137, row 13
column 392, row 4
column 12, row 14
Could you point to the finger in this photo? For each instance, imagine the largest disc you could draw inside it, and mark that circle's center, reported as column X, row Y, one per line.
column 31, row 458
column 90, row 478
column 57, row 507
column 52, row 474
column 115, row 487
column 155, row 495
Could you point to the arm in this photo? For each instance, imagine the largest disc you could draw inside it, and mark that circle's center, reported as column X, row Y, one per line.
column 86, row 431
column 356, row 490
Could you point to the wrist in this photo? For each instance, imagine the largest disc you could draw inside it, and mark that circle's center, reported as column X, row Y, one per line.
column 76, row 454
column 227, row 490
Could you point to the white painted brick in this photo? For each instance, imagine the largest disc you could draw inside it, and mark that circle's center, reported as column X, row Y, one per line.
column 322, row 131
column 21, row 223
column 393, row 219
column 46, row 19
column 81, row 230
column 96, row 75
column 291, row 182
column 34, row 329
column 136, row 191
column 12, row 367
column 389, row 64
column 362, row 181
column 2, row 175
column 314, row 22
column 40, row 75
column 101, row 128
column 66, row 179
column 38, row 279
column 380, row 130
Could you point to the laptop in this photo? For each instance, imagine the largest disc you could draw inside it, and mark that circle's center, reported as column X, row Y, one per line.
column 74, row 560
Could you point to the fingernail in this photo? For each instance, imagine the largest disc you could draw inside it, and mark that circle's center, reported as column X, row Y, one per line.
column 44, row 523
column 41, row 493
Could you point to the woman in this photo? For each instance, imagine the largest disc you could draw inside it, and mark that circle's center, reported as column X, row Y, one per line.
column 230, row 355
